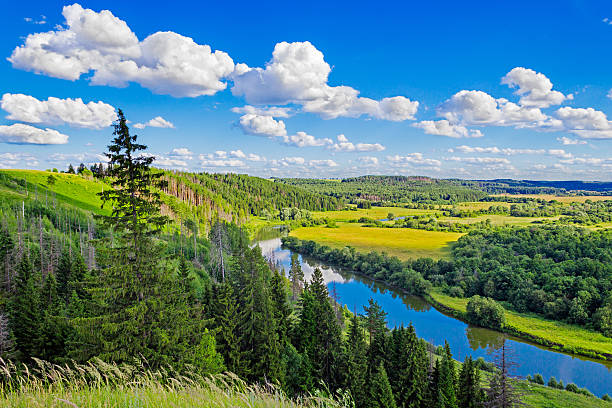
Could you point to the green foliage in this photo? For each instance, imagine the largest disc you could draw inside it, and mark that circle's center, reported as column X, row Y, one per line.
column 382, row 395
column 485, row 312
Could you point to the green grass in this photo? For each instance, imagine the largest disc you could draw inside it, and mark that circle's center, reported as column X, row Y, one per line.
column 404, row 243
column 540, row 396
column 68, row 188
column 98, row 384
column 555, row 334
column 498, row 219
column 481, row 205
column 376, row 213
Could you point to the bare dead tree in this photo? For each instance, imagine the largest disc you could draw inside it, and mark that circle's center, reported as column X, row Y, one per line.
column 220, row 244
column 502, row 391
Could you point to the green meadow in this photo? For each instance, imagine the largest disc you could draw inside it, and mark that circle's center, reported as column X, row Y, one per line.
column 404, row 243
column 375, row 213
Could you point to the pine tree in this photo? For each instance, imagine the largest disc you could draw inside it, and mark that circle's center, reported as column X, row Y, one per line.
column 281, row 306
column 447, row 378
column 469, row 394
column 6, row 247
column 25, row 311
column 64, row 275
column 407, row 362
column 357, row 365
column 296, row 276
column 434, row 397
column 53, row 330
column 318, row 333
column 376, row 325
column 381, row 393
column 226, row 320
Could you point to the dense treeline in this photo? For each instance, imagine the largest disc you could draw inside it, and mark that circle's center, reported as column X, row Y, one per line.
column 564, row 273
column 507, row 186
column 391, row 190
column 235, row 197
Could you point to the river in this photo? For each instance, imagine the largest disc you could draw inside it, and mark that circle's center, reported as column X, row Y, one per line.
column 435, row 327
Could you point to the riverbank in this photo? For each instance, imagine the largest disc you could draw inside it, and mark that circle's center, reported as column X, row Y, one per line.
column 555, row 335
column 558, row 336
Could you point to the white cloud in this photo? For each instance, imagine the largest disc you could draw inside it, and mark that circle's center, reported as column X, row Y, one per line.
column 368, row 160
column 445, row 128
column 255, row 158
column 609, row 95
column 19, row 133
column 292, row 160
column 344, row 145
column 323, row 163
column 157, row 122
column 299, row 74
column 182, row 152
column 74, row 112
column 480, row 160
column 588, row 123
column 534, row 88
column 262, row 125
column 273, row 111
column 567, row 141
column 303, row 139
column 560, row 153
column 99, row 42
column 239, row 154
column 12, row 160
column 170, row 162
column 413, row 159
column 222, row 163
column 42, row 20
column 87, row 158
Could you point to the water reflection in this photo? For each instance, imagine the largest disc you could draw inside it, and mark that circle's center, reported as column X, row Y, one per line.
column 430, row 324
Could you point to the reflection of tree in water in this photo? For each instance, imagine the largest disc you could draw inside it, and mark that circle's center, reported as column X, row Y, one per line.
column 267, row 233
column 479, row 337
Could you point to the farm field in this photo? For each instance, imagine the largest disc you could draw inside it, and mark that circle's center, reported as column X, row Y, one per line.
column 404, row 243
column 498, row 219
column 376, row 213
column 481, row 205
column 571, row 337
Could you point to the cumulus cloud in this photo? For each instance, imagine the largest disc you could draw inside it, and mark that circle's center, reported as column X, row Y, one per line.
column 567, row 141
column 73, row 112
column 87, row 158
column 19, row 133
column 534, row 88
column 368, row 160
column 261, row 125
column 509, row 151
column 221, row 158
column 480, row 160
column 274, row 111
column 299, row 74
column 99, row 42
column 303, row 139
column 323, row 163
column 588, row 123
column 157, row 122
column 170, row 162
column 445, row 128
column 296, row 160
column 12, row 160
column 413, row 159
column 344, row 145
column 182, row 152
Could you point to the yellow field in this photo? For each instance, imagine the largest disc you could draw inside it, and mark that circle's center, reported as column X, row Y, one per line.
column 481, row 205
column 573, row 338
column 498, row 219
column 571, row 199
column 404, row 243
column 376, row 213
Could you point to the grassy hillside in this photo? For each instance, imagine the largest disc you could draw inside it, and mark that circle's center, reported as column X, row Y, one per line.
column 404, row 243
column 233, row 197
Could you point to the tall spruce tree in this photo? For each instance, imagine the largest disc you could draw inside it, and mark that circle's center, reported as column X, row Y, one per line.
column 318, row 331
column 64, row 275
column 25, row 311
column 226, row 316
column 381, row 393
column 296, row 276
column 469, row 393
column 135, row 295
column 407, row 362
column 357, row 364
column 447, row 378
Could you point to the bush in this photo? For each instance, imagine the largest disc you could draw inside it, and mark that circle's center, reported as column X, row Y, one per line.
column 571, row 387
column 552, row 382
column 456, row 291
column 485, row 312
column 538, row 379
column 606, row 397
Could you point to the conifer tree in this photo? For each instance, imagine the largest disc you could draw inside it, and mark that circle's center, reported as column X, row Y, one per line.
column 469, row 393
column 357, row 365
column 376, row 325
column 226, row 320
column 407, row 359
column 296, row 276
column 25, row 310
column 434, row 397
column 318, row 331
column 447, row 378
column 53, row 330
column 381, row 393
column 64, row 275
column 502, row 393
column 281, row 306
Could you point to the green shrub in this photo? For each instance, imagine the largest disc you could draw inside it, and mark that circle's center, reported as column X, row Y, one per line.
column 485, row 312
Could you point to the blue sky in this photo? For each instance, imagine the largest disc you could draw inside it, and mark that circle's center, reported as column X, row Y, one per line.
column 325, row 89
